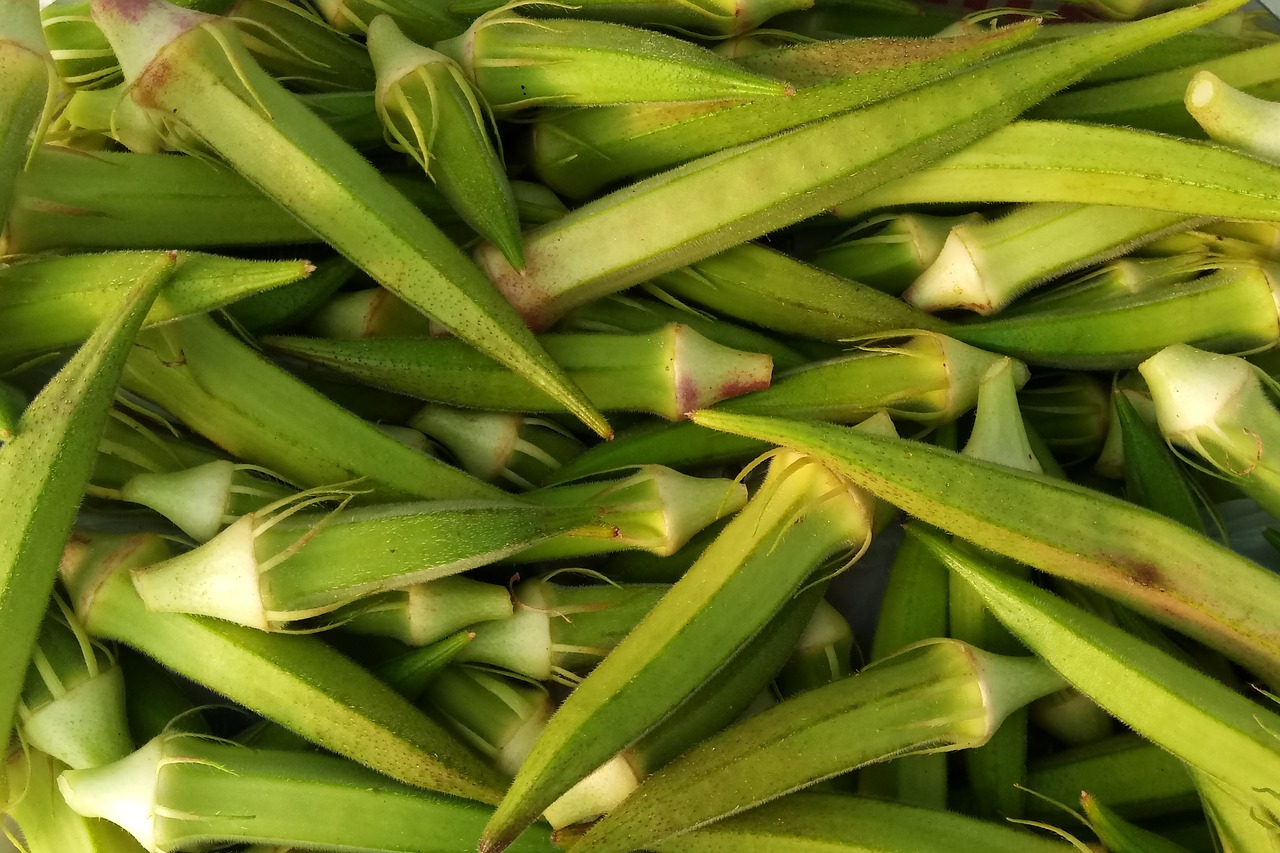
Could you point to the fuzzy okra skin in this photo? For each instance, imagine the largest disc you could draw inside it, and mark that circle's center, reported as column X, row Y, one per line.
column 295, row 680
column 1154, row 565
column 184, row 791
column 1234, row 118
column 801, row 517
column 190, row 71
column 938, row 696
column 52, row 302
column 29, row 86
column 238, row 400
column 684, row 215
column 44, row 468
column 578, row 152
column 1206, row 724
column 805, row 822
column 669, row 372
column 1062, row 161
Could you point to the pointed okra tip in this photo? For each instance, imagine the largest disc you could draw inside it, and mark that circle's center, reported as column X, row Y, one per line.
column 139, row 29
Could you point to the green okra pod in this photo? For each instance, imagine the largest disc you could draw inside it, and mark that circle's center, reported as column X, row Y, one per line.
column 1135, row 777
column 183, row 790
column 44, row 468
column 52, row 302
column 430, row 113
column 1153, row 478
column 632, row 313
column 246, row 405
column 668, row 372
column 804, row 822
column 1156, row 102
column 923, row 377
column 706, row 17
column 578, row 152
column 294, row 680
column 983, row 266
column 1201, row 721
column 821, row 655
column 29, row 87
column 517, row 62
column 1070, row 162
column 938, row 696
column 656, row 668
column 770, row 290
column 424, row 21
column 499, row 715
column 1234, row 818
column 1230, row 310
column 272, row 567
column 196, row 79
column 1233, row 117
column 796, row 174
column 1069, row 411
column 1156, row 566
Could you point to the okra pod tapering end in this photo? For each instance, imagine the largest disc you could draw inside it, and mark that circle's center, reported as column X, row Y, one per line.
column 430, row 112
column 1233, row 117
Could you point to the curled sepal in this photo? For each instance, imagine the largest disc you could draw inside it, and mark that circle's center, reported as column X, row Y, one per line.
column 1206, row 724
column 558, row 631
column 72, row 705
column 1217, row 407
column 935, row 697
column 513, row 449
column 191, row 792
column 518, row 62
column 1233, row 117
column 280, row 565
column 1154, row 565
column 430, row 113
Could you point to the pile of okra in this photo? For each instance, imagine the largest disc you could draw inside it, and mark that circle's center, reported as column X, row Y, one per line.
column 433, row 426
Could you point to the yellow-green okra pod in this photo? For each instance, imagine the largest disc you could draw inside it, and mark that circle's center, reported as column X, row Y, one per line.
column 684, row 215
column 181, row 791
column 1201, row 721
column 233, row 396
column 804, row 822
column 55, row 301
column 1156, row 566
column 579, row 152
column 279, row 565
column 703, row 17
column 44, row 468
column 801, row 518
column 430, row 113
column 29, row 87
column 516, row 62
column 190, row 71
column 294, row 680
column 669, row 372
column 937, row 696
column 1063, row 161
